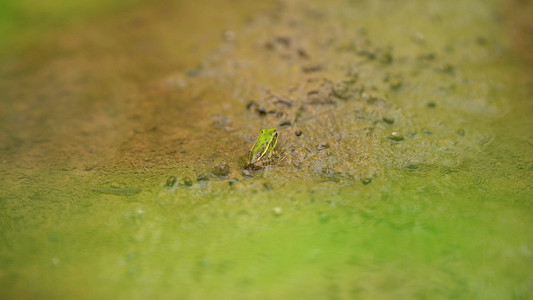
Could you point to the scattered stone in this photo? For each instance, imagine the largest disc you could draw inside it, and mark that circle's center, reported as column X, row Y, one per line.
column 302, row 53
column 171, row 181
column 313, row 68
column 366, row 180
column 250, row 104
column 313, row 96
column 283, row 40
column 395, row 136
column 261, row 110
column 413, row 166
column 202, row 177
column 388, row 120
column 187, row 181
column 115, row 185
column 342, row 90
column 285, row 123
column 233, row 181
column 298, row 132
column 221, row 170
column 247, row 173
column 322, row 146
column 277, row 211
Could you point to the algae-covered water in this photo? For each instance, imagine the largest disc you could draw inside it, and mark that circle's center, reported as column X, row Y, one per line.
column 403, row 168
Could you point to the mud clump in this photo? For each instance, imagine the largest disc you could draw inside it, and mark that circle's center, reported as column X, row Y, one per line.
column 202, row 177
column 396, row 136
column 187, row 181
column 171, row 181
column 221, row 170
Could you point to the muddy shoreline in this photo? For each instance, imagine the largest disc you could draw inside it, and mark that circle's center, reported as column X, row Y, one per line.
column 402, row 168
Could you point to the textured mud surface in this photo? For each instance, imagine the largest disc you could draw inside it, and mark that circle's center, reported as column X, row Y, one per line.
column 339, row 98
column 403, row 168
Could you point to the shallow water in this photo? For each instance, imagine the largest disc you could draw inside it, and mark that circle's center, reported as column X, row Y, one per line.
column 101, row 104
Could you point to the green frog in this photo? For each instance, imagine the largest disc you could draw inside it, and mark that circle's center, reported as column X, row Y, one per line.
column 263, row 147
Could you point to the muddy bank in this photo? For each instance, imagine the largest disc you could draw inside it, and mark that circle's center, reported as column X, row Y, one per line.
column 402, row 166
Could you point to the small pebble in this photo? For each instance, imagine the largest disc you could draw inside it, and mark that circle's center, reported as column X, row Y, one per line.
column 285, row 123
column 187, row 181
column 221, row 170
column 250, row 104
column 298, row 132
column 366, row 181
column 247, row 173
column 171, row 181
column 388, row 120
column 283, row 40
column 277, row 211
column 232, row 181
column 322, row 146
column 261, row 110
column 395, row 136
column 202, row 177
column 413, row 166
column 312, row 68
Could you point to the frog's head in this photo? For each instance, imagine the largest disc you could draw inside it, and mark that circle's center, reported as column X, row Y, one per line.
column 270, row 135
column 268, row 132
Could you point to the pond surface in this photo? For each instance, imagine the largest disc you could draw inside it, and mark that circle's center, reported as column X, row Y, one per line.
column 403, row 168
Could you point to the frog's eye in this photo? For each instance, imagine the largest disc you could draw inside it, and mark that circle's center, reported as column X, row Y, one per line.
column 261, row 131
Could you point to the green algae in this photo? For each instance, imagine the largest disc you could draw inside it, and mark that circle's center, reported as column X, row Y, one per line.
column 445, row 213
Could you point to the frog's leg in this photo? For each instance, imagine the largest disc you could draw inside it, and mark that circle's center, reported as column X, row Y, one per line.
column 272, row 147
